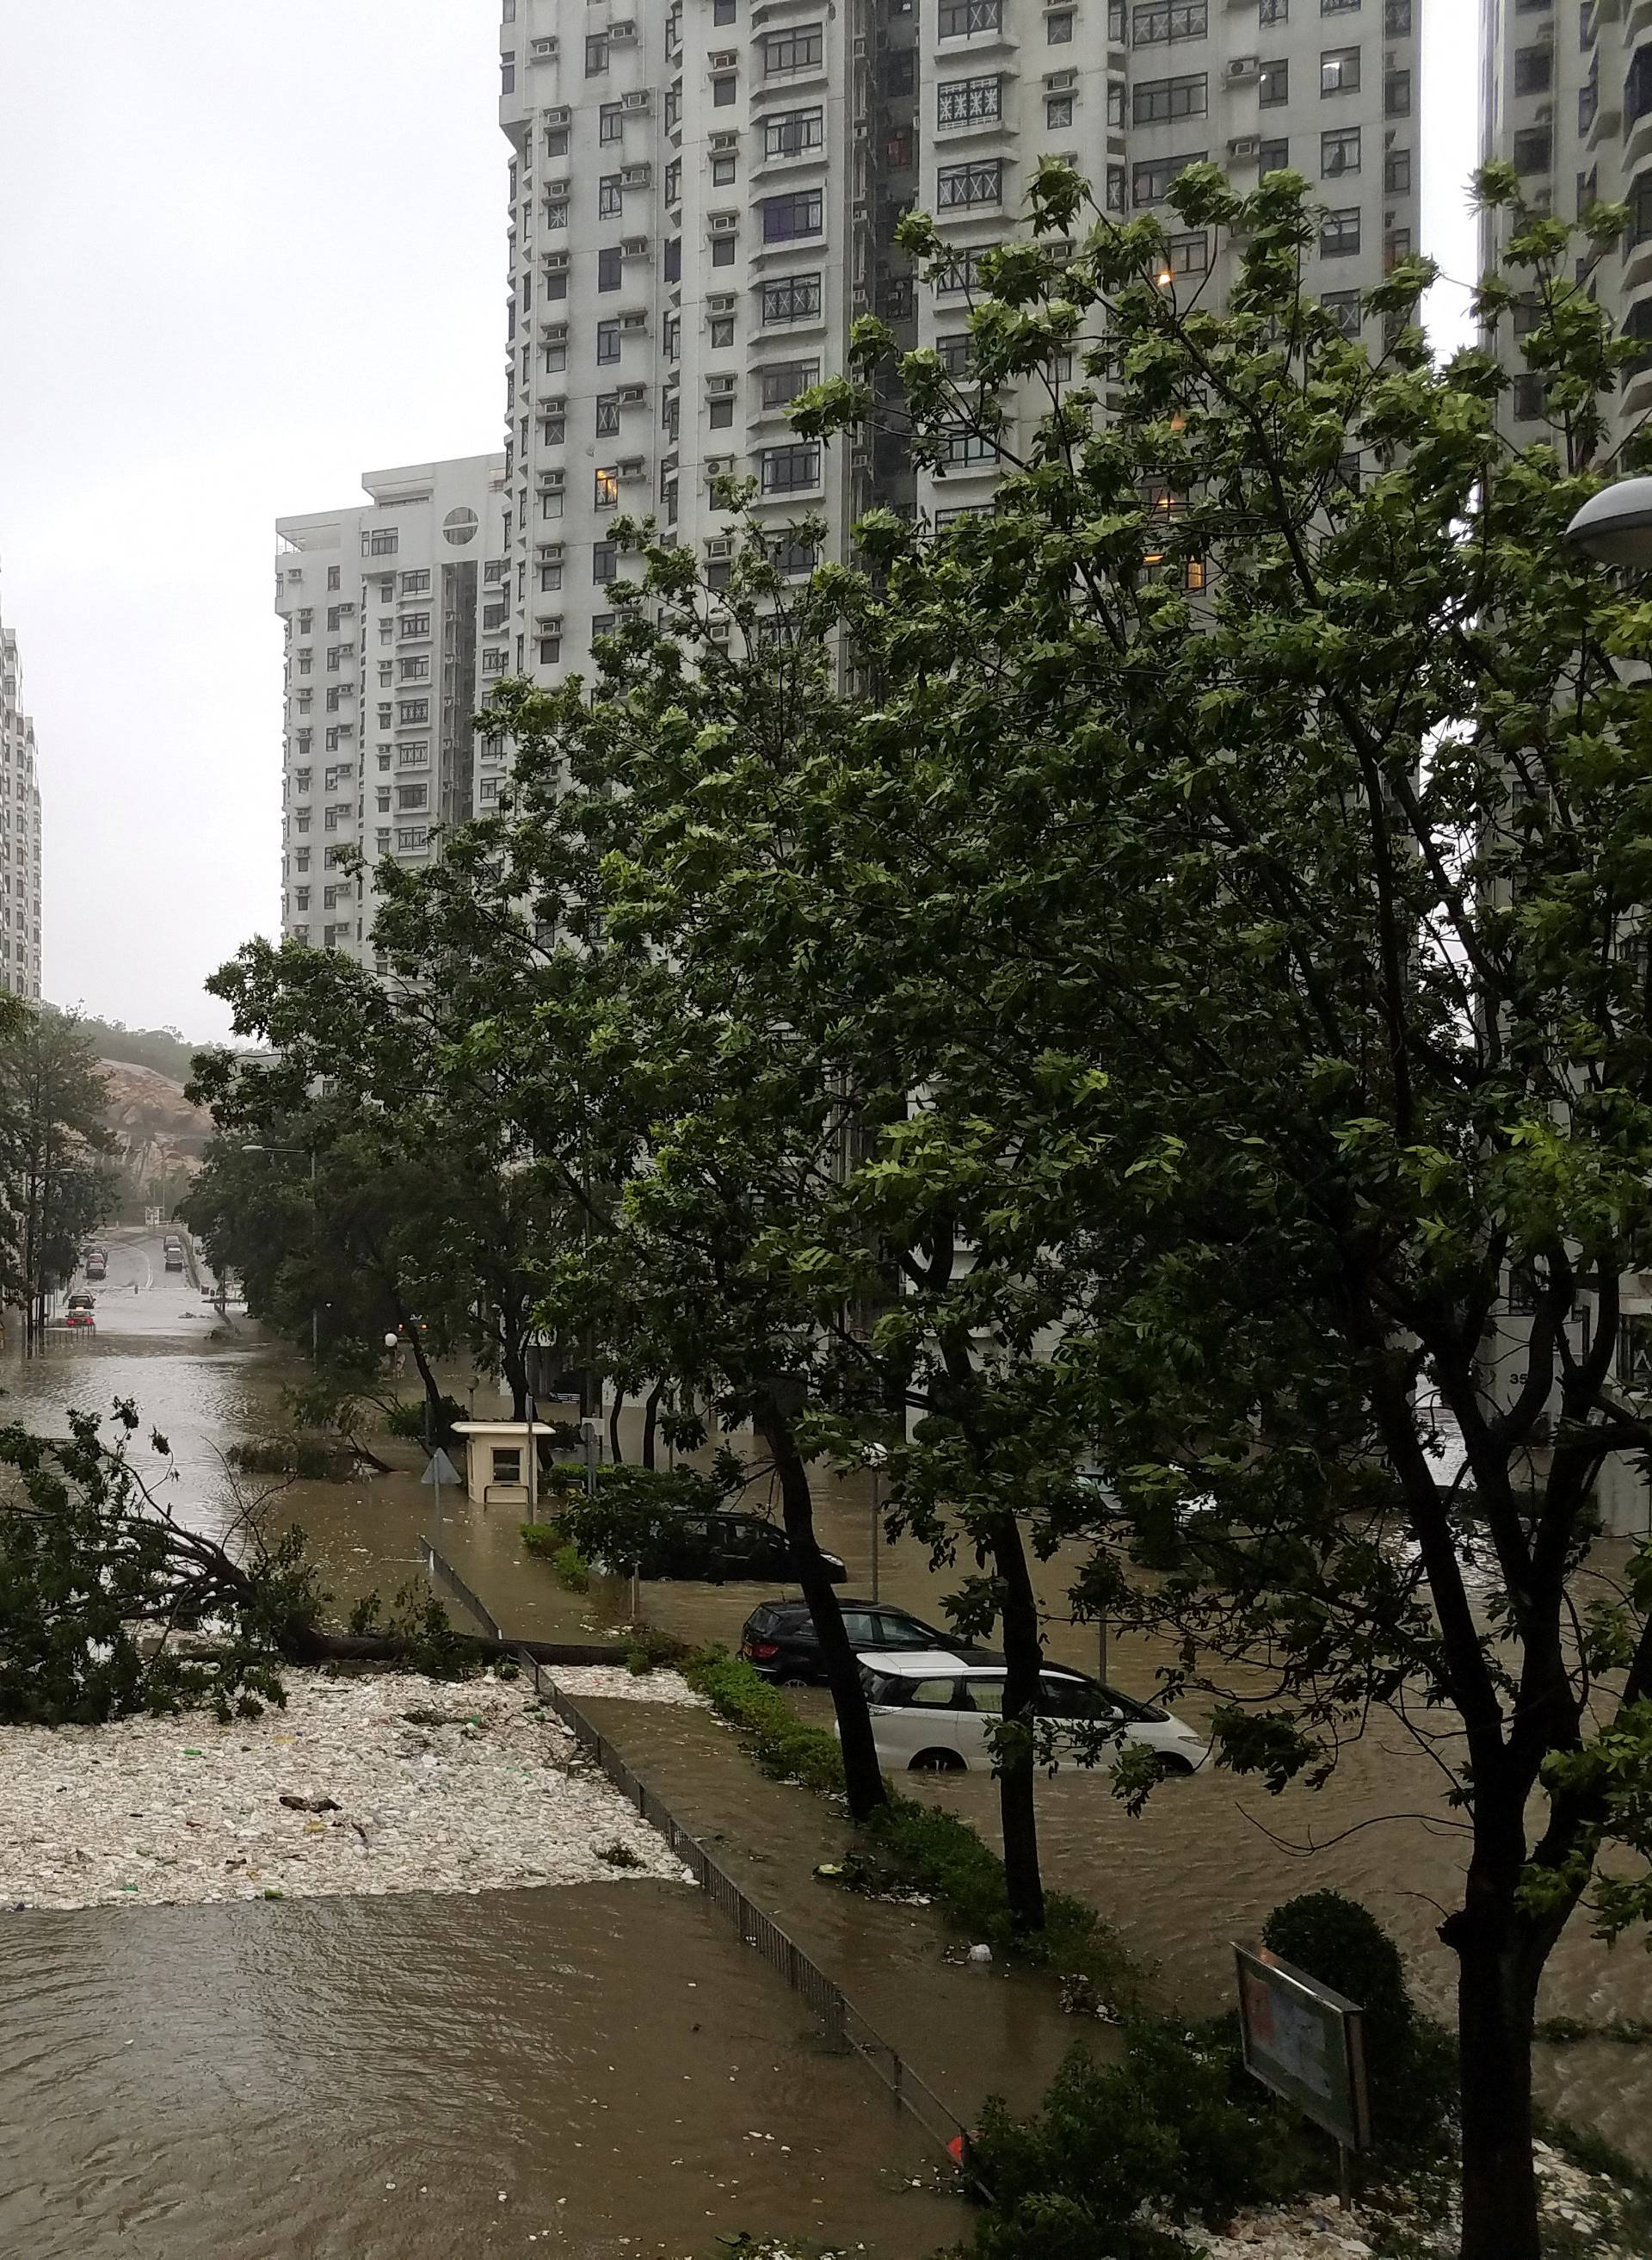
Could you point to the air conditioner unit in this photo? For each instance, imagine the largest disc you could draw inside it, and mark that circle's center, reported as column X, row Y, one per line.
column 718, row 466
column 549, row 550
column 636, row 319
column 1245, row 146
column 543, row 51
column 716, row 386
column 554, row 262
column 1242, row 69
column 721, row 545
column 550, row 476
column 1061, row 78
column 548, row 623
column 555, row 404
column 634, row 246
column 561, row 115
column 860, row 50
column 622, row 35
column 718, row 629
column 631, row 467
column 720, row 144
column 640, row 100
column 635, row 176
column 633, row 396
column 557, row 192
column 725, row 59
column 554, row 333
column 723, row 223
column 720, row 302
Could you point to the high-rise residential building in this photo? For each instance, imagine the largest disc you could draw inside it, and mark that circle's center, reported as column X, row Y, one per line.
column 397, row 616
column 1567, row 99
column 703, row 198
column 19, row 833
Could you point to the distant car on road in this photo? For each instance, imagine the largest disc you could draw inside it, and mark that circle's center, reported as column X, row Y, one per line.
column 82, row 1310
column 934, row 1714
column 96, row 1263
column 779, row 1638
column 174, row 1256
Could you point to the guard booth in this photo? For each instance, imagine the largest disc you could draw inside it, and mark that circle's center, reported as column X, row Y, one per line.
column 502, row 1461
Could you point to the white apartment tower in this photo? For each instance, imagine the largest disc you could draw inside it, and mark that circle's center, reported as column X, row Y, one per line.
column 1568, row 98
column 19, row 834
column 703, row 198
column 396, row 624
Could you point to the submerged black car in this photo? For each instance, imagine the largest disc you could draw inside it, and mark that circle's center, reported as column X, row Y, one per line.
column 779, row 1638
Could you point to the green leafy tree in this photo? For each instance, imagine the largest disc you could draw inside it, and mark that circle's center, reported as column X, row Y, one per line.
column 53, row 1138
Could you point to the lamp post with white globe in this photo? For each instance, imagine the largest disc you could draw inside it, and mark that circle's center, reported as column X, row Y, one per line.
column 1615, row 525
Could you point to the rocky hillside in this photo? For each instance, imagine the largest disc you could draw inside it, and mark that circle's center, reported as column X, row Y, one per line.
column 159, row 1136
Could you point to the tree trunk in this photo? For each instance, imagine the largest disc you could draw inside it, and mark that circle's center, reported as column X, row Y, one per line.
column 651, row 1422
column 1497, row 1991
column 614, row 1452
column 514, row 1359
column 863, row 1775
column 1024, row 1661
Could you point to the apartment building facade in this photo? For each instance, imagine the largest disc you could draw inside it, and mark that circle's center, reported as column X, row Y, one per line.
column 395, row 614
column 19, row 833
column 702, row 199
column 1567, row 99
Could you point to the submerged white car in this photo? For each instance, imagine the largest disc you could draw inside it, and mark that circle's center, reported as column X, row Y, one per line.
column 934, row 1712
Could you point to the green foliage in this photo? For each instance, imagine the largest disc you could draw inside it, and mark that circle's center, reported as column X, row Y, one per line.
column 1411, row 2076
column 780, row 1741
column 1172, row 2128
column 649, row 1649
column 638, row 1520
column 418, row 1628
column 305, row 1457
column 410, row 1419
column 164, row 1049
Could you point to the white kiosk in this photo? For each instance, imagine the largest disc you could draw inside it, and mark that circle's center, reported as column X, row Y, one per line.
column 502, row 1461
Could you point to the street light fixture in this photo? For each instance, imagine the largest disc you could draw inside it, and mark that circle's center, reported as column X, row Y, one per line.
column 310, row 1153
column 1615, row 525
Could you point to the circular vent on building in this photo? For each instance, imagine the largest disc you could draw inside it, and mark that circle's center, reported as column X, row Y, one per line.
column 460, row 526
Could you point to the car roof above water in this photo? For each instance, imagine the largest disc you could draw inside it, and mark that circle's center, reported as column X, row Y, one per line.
column 929, row 1663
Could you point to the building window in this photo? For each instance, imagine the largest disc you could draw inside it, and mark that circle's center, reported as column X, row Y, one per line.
column 607, row 414
column 1529, row 404
column 552, row 360
column 724, row 91
column 961, row 273
column 1339, row 7
column 611, row 122
column 962, row 19
column 1396, row 94
column 782, row 381
column 1156, row 21
column 1396, row 172
column 1273, row 157
column 981, row 183
column 961, row 443
column 674, row 181
column 414, row 623
column 610, row 267
column 596, row 54
column 1396, row 20
column 1151, row 179
column 788, row 298
column 1340, row 234
column 607, row 492
column 968, row 101
column 607, row 342
column 551, row 503
column 1058, row 112
column 1532, row 149
column 1340, row 152
column 722, row 172
column 382, row 542
column 1273, row 11
column 1187, row 254
column 723, row 12
column 1339, row 70
column 790, row 469
column 793, row 131
column 791, row 555
column 604, row 561
column 1157, row 101
column 1273, row 83
column 785, row 218
column 412, row 711
column 1533, row 69
column 416, row 669
column 723, row 249
column 719, row 415
column 1058, row 29
column 1344, row 307
column 794, row 51
column 556, row 140
column 556, row 285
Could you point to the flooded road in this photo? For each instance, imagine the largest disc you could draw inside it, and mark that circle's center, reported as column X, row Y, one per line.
column 1202, row 1867
column 601, row 2071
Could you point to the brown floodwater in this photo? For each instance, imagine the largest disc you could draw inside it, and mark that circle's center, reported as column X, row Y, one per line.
column 1199, row 1870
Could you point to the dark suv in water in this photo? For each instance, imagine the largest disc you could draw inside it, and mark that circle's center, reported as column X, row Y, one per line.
column 779, row 1638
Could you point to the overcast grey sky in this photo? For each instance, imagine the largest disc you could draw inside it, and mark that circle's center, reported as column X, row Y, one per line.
column 245, row 254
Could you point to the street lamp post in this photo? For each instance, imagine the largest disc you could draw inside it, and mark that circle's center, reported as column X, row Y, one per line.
column 1615, row 525
column 314, row 1308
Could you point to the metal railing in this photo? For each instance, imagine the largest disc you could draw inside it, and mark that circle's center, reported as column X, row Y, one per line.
column 441, row 1571
column 840, row 2022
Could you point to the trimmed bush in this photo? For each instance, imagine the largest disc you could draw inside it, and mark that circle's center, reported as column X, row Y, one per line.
column 783, row 1745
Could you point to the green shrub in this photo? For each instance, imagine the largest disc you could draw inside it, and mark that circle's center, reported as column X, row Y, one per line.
column 410, row 1419
column 1170, row 2128
column 650, row 1649
column 783, row 1745
column 1409, row 2065
column 305, row 1458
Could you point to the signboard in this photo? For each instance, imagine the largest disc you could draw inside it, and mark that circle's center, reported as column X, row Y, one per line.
column 1306, row 2043
column 440, row 1470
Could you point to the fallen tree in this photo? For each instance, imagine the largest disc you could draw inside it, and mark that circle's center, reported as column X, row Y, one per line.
column 111, row 1605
